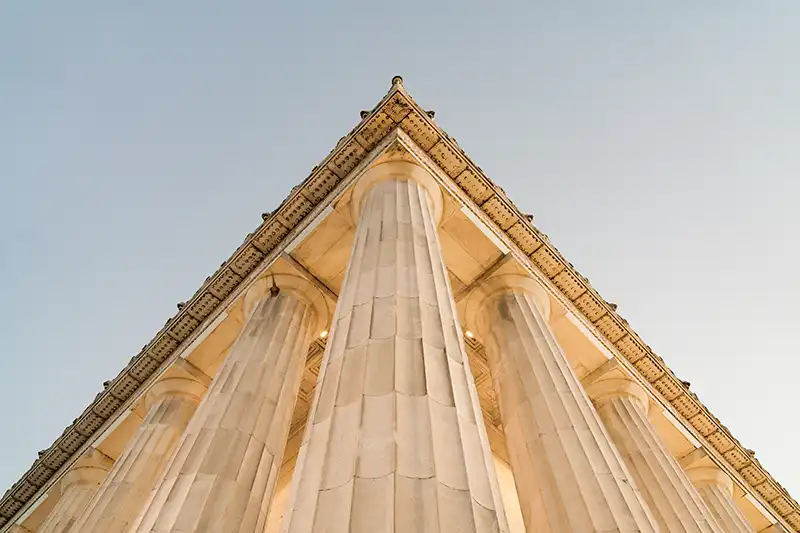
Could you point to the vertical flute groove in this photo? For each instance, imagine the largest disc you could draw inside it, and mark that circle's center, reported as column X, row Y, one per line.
column 392, row 442
column 569, row 476
column 224, row 471
column 674, row 502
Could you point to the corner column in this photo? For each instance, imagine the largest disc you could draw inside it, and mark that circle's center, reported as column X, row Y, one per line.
column 395, row 441
column 171, row 403
column 223, row 473
column 569, row 476
column 716, row 490
column 77, row 488
column 623, row 406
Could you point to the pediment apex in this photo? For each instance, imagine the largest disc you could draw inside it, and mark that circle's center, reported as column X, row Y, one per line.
column 397, row 128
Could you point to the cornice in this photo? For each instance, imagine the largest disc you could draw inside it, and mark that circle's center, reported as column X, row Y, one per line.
column 398, row 110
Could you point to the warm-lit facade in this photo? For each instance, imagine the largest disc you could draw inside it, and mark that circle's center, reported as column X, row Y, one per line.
column 397, row 348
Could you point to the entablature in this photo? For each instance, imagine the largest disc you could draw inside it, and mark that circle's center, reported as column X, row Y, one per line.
column 398, row 120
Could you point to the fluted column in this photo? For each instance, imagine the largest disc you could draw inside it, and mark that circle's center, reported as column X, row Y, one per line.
column 568, row 475
column 716, row 490
column 171, row 403
column 222, row 475
column 77, row 488
column 675, row 504
column 395, row 441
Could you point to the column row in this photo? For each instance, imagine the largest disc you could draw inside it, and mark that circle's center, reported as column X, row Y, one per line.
column 585, row 460
column 395, row 440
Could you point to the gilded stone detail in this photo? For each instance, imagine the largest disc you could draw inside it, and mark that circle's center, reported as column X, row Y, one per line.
column 447, row 158
column 397, row 107
column 474, row 185
column 374, row 130
column 271, row 235
column 248, row 259
column 524, row 237
column 500, row 213
column 547, row 261
column 420, row 131
column 320, row 186
column 347, row 159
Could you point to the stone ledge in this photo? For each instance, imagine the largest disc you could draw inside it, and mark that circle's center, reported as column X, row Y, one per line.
column 398, row 110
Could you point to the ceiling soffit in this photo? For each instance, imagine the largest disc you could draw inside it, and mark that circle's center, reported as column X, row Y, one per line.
column 398, row 111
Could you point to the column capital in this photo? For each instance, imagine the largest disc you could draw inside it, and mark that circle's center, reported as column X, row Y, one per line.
column 187, row 388
column 84, row 475
column 709, row 475
column 300, row 287
column 494, row 286
column 610, row 381
column 401, row 170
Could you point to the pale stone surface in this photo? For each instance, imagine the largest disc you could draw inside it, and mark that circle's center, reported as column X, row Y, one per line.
column 508, row 492
column 222, row 476
column 171, row 403
column 569, row 476
column 675, row 504
column 716, row 490
column 77, row 488
column 395, row 441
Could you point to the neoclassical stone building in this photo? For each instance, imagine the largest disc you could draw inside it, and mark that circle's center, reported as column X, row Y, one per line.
column 396, row 348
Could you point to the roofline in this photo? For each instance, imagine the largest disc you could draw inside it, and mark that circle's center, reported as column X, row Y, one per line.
column 397, row 110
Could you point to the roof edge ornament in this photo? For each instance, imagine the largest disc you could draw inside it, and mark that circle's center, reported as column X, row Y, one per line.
column 542, row 257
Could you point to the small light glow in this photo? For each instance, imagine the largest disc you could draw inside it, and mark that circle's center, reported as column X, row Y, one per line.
column 469, row 334
column 323, row 334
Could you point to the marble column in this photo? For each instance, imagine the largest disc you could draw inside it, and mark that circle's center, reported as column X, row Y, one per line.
column 77, row 488
column 222, row 475
column 716, row 490
column 171, row 403
column 395, row 441
column 568, row 474
column 675, row 504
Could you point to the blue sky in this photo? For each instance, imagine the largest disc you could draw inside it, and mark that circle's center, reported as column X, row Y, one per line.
column 655, row 142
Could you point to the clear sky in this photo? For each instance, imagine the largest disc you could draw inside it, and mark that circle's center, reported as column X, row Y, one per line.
column 655, row 142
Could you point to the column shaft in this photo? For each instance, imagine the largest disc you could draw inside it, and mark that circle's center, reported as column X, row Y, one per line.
column 716, row 491
column 77, row 488
column 222, row 475
column 122, row 494
column 723, row 508
column 395, row 441
column 673, row 501
column 569, row 476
